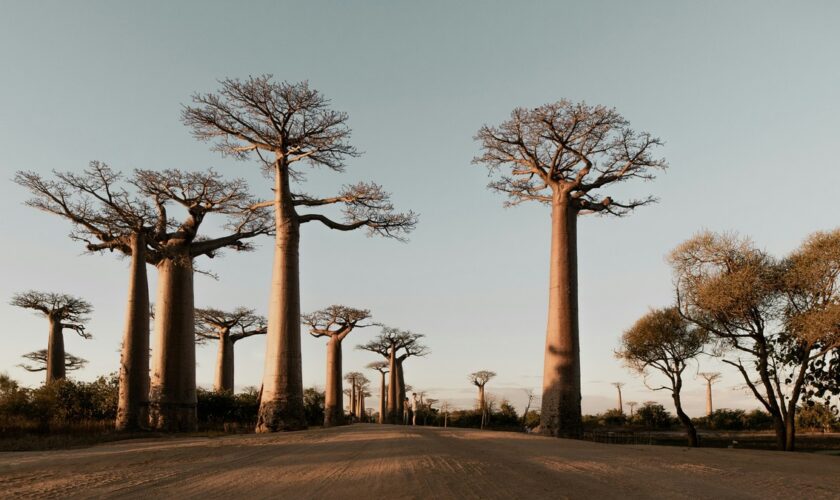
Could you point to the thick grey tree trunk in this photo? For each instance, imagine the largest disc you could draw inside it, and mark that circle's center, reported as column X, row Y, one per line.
column 133, row 399
column 172, row 405
column 334, row 396
column 561, row 411
column 55, row 351
column 224, row 364
column 281, row 407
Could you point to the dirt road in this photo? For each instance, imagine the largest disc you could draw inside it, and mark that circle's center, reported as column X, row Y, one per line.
column 373, row 461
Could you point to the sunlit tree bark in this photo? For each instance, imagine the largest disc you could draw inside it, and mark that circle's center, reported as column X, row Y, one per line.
column 285, row 124
column 562, row 155
column 172, row 398
column 710, row 378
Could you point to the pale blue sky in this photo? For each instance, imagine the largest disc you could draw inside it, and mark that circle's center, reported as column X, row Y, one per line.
column 745, row 95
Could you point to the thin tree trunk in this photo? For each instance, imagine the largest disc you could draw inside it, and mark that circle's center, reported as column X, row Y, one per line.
column 691, row 432
column 224, row 364
column 394, row 411
column 334, row 397
column 361, row 407
column 133, row 399
column 55, row 351
column 172, row 405
column 281, row 408
column 382, row 398
column 561, row 413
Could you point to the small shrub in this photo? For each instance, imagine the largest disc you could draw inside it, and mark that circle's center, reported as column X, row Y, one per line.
column 313, row 406
column 653, row 416
column 725, row 419
column 612, row 418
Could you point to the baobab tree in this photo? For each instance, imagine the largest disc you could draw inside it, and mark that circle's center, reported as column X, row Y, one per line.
column 444, row 408
column 335, row 322
column 227, row 328
column 710, row 378
column 354, row 379
column 106, row 216
column 63, row 312
column 284, row 124
column 396, row 346
column 362, row 391
column 619, row 385
column 382, row 368
column 563, row 154
column 665, row 341
column 772, row 320
column 632, row 405
column 200, row 194
column 480, row 379
column 40, row 358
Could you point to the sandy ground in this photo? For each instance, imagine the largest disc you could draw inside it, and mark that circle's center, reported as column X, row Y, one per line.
column 374, row 461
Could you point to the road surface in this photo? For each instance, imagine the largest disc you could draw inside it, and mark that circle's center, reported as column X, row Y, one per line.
column 379, row 461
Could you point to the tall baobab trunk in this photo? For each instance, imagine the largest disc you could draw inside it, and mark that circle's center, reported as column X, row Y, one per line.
column 133, row 403
column 173, row 396
column 334, row 396
column 401, row 409
column 382, row 398
column 709, row 397
column 560, row 414
column 620, row 402
column 281, row 407
column 224, row 364
column 353, row 400
column 394, row 409
column 360, row 408
column 55, row 350
column 482, row 406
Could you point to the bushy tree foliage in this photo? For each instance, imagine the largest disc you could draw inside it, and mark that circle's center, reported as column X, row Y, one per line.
column 774, row 320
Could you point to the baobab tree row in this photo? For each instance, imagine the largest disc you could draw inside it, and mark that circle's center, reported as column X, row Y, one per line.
column 561, row 154
column 293, row 125
column 776, row 321
column 67, row 312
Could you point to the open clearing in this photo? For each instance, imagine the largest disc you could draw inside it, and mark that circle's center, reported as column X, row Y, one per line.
column 379, row 461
